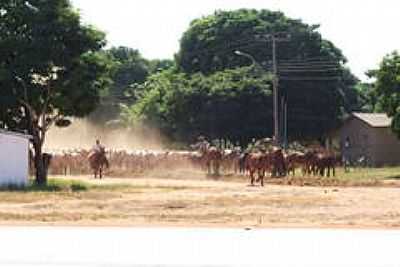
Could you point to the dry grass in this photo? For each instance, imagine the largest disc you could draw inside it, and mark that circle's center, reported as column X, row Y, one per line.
column 371, row 173
column 360, row 177
column 170, row 199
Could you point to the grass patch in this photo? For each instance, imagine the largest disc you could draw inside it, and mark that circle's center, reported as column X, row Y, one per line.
column 354, row 178
column 53, row 185
column 326, row 181
column 111, row 187
column 370, row 173
column 70, row 185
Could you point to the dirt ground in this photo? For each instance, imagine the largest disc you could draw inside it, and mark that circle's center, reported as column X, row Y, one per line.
column 172, row 201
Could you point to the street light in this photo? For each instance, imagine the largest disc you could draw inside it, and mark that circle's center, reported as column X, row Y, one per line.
column 256, row 65
column 31, row 7
column 253, row 61
column 274, row 81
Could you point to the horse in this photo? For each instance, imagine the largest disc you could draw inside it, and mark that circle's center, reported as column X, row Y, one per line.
column 278, row 163
column 97, row 161
column 259, row 163
column 242, row 162
column 326, row 162
column 211, row 157
column 230, row 160
column 319, row 162
column 294, row 160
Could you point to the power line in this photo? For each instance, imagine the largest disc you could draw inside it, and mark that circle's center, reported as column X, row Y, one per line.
column 309, row 70
column 304, row 67
column 310, row 65
column 306, row 59
column 310, row 78
column 306, row 64
column 228, row 46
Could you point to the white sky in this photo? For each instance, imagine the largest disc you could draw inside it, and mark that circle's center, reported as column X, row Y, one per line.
column 365, row 30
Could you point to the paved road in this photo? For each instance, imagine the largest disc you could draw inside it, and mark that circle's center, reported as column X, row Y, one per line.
column 107, row 246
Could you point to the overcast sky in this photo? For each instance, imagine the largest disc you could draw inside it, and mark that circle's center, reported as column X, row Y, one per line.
column 365, row 30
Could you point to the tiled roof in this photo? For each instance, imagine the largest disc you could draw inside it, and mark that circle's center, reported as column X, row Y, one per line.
column 374, row 119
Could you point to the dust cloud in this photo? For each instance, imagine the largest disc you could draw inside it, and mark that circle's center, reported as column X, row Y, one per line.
column 82, row 134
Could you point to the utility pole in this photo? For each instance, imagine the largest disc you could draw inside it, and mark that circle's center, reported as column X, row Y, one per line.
column 275, row 85
column 275, row 38
column 285, row 122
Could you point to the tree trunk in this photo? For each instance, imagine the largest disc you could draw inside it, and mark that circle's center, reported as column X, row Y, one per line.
column 40, row 168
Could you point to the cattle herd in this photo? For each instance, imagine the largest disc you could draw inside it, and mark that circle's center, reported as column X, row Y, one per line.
column 274, row 162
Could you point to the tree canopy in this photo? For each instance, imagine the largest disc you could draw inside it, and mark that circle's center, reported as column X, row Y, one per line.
column 388, row 88
column 210, row 42
column 128, row 67
column 129, row 70
column 312, row 77
column 229, row 103
column 50, row 68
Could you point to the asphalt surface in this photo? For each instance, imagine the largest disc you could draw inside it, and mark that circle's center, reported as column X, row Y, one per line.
column 111, row 246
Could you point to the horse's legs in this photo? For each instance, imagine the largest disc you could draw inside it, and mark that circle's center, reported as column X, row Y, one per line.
column 259, row 171
column 262, row 178
column 101, row 172
column 251, row 177
column 216, row 166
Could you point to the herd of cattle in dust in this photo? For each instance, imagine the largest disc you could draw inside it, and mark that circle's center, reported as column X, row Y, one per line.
column 274, row 162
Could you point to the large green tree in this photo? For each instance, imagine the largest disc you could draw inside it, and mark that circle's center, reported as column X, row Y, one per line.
column 387, row 88
column 229, row 104
column 49, row 69
column 313, row 78
column 368, row 100
column 210, row 42
column 129, row 70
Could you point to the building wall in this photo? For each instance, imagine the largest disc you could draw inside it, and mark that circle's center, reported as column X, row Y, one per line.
column 379, row 145
column 13, row 160
column 360, row 139
column 386, row 147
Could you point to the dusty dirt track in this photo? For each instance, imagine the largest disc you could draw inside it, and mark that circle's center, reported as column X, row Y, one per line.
column 204, row 202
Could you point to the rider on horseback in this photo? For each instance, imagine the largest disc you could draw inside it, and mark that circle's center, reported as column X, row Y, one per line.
column 98, row 147
column 97, row 159
column 210, row 155
column 202, row 144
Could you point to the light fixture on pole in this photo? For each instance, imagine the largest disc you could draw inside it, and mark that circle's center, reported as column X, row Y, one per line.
column 275, row 38
column 253, row 61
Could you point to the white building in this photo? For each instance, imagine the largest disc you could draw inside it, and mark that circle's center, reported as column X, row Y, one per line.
column 14, row 158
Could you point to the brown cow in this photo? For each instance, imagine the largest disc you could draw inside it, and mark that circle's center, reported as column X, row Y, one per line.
column 278, row 163
column 319, row 162
column 230, row 160
column 326, row 161
column 293, row 161
column 309, row 162
column 212, row 157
